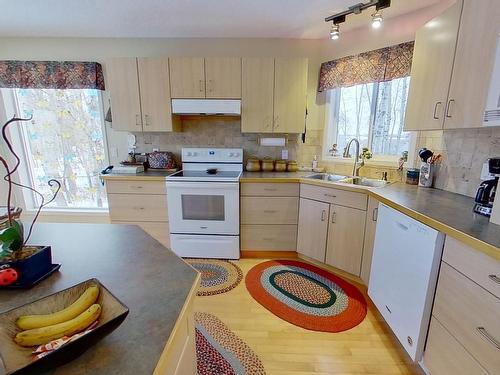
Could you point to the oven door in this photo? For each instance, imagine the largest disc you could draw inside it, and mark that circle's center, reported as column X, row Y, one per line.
column 203, row 207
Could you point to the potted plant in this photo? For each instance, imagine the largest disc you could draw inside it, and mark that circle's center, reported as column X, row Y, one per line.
column 21, row 265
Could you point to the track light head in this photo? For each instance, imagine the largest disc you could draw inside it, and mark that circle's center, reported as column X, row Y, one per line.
column 335, row 32
column 377, row 20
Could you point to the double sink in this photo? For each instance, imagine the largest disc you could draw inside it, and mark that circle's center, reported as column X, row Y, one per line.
column 350, row 180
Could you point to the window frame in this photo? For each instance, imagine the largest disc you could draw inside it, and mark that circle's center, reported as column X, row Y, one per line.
column 331, row 132
column 25, row 198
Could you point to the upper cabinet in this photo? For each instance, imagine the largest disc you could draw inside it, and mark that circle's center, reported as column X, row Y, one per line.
column 213, row 78
column 452, row 64
column 187, row 77
column 223, row 77
column 273, row 95
column 123, row 82
column 257, row 96
column 140, row 96
column 290, row 95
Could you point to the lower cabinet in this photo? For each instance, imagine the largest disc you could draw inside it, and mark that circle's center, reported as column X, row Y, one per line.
column 313, row 228
column 370, row 227
column 344, row 247
column 330, row 232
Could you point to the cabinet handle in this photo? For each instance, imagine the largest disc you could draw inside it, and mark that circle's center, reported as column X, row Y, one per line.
column 137, row 187
column 140, row 208
column 146, row 117
column 483, row 332
column 276, row 123
column 330, row 195
column 494, row 278
column 375, row 214
column 269, row 211
column 270, row 189
column 268, row 239
column 448, row 115
column 334, row 217
column 201, row 85
column 210, row 85
column 323, row 215
column 435, row 116
column 137, row 121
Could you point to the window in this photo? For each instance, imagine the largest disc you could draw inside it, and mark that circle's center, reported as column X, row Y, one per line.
column 65, row 141
column 373, row 113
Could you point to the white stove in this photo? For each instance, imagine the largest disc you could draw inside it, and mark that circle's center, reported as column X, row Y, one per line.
column 203, row 203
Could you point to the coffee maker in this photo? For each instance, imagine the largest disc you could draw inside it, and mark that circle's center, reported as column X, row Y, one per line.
column 485, row 194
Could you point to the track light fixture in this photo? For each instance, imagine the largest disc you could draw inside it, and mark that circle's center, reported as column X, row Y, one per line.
column 357, row 9
column 335, row 32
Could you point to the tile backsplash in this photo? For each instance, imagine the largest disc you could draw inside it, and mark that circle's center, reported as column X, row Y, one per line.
column 464, row 152
column 215, row 132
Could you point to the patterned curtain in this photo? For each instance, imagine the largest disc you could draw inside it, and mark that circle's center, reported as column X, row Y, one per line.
column 374, row 66
column 51, row 75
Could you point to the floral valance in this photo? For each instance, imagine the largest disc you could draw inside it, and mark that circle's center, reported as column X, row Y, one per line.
column 374, row 66
column 51, row 75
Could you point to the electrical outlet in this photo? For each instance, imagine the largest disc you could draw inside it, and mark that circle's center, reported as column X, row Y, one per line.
column 284, row 154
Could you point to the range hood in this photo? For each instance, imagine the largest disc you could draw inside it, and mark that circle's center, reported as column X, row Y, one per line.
column 227, row 107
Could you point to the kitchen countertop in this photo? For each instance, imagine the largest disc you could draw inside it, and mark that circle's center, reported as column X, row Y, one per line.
column 151, row 280
column 149, row 175
column 447, row 212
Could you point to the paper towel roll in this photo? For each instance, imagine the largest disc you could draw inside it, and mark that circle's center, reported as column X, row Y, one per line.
column 276, row 142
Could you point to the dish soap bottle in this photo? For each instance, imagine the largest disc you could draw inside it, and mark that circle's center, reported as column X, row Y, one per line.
column 315, row 163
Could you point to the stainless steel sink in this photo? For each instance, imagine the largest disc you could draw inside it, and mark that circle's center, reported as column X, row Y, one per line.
column 327, row 177
column 363, row 181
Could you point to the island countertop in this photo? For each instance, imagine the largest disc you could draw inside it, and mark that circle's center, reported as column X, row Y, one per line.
column 151, row 280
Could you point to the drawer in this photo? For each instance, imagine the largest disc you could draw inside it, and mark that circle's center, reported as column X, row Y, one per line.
column 336, row 196
column 477, row 266
column 286, row 189
column 445, row 356
column 261, row 210
column 137, row 207
column 269, row 237
column 159, row 231
column 136, row 187
column 471, row 315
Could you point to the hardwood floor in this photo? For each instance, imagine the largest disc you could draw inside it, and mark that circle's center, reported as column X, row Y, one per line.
column 369, row 348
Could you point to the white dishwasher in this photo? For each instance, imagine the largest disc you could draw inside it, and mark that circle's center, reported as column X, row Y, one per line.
column 405, row 265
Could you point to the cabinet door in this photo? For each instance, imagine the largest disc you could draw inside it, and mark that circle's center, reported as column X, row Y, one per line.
column 370, row 227
column 313, row 228
column 474, row 60
column 123, row 83
column 223, row 77
column 257, row 95
column 187, row 77
column 345, row 238
column 290, row 90
column 431, row 69
column 154, row 86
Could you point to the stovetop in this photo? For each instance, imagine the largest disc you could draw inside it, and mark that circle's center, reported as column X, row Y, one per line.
column 203, row 175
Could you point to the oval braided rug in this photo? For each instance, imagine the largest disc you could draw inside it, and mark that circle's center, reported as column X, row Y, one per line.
column 306, row 296
column 220, row 352
column 217, row 275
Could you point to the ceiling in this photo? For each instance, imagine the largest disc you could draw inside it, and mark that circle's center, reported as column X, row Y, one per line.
column 183, row 18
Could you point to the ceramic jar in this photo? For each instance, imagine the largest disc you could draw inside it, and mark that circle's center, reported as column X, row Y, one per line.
column 292, row 166
column 267, row 165
column 280, row 166
column 253, row 165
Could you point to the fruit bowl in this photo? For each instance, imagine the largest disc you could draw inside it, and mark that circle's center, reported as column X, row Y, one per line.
column 18, row 360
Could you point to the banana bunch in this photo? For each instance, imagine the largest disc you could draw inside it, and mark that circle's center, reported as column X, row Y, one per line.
column 40, row 329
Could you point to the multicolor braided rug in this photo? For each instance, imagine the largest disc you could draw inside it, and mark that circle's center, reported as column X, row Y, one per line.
column 220, row 352
column 306, row 296
column 217, row 276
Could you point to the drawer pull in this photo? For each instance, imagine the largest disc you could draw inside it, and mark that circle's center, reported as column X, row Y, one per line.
column 494, row 278
column 488, row 337
column 137, row 187
column 269, row 211
column 270, row 189
column 140, row 208
column 375, row 214
column 268, row 239
column 330, row 195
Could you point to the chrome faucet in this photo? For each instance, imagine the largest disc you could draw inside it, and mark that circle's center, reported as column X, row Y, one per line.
column 356, row 168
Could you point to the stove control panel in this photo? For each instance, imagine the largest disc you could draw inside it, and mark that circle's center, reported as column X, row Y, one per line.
column 212, row 155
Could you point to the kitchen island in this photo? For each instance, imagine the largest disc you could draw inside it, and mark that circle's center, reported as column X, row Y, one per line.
column 152, row 281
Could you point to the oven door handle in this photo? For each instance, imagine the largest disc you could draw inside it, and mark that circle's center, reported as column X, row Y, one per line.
column 202, row 186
